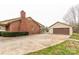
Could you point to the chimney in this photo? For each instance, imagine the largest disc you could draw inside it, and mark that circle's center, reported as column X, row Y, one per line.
column 22, row 14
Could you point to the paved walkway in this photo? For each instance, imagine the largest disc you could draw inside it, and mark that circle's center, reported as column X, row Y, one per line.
column 26, row 44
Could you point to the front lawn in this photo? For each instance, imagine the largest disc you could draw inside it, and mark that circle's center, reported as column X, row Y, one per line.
column 66, row 48
column 75, row 36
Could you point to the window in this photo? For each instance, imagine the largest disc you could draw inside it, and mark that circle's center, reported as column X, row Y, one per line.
column 2, row 28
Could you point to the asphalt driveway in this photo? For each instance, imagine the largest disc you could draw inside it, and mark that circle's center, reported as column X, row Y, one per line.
column 26, row 44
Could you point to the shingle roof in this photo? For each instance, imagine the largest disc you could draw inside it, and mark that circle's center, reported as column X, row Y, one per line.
column 6, row 22
column 61, row 23
column 9, row 21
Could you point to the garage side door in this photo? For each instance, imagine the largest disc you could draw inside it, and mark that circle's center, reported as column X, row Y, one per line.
column 64, row 31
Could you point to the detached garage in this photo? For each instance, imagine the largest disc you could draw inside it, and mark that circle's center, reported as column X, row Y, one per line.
column 60, row 28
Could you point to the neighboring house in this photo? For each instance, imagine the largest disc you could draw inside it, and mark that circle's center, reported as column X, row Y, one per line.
column 60, row 28
column 21, row 24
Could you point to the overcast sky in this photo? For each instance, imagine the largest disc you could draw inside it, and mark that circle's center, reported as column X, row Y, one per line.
column 46, row 12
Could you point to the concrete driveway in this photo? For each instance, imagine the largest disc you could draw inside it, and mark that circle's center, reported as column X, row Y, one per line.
column 26, row 44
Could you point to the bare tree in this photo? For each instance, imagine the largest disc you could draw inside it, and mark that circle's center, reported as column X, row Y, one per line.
column 72, row 18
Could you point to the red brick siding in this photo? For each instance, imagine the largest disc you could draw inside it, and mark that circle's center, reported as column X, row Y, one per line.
column 24, row 26
column 14, row 26
column 29, row 26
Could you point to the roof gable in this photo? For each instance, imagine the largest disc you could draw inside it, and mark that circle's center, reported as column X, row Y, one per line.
column 60, row 23
column 6, row 22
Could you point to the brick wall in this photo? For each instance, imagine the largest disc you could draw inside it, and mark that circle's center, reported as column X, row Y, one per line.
column 14, row 26
column 24, row 25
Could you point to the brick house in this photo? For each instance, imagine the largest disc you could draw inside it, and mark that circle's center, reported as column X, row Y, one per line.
column 21, row 24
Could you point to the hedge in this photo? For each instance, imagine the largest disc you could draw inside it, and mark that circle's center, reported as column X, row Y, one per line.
column 13, row 34
column 0, row 33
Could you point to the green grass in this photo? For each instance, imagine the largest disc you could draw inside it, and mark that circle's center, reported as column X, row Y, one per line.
column 66, row 48
column 75, row 36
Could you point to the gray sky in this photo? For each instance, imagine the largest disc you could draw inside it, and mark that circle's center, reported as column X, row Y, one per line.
column 46, row 12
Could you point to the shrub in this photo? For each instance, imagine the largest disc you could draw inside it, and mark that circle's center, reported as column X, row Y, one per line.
column 13, row 34
column 0, row 33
